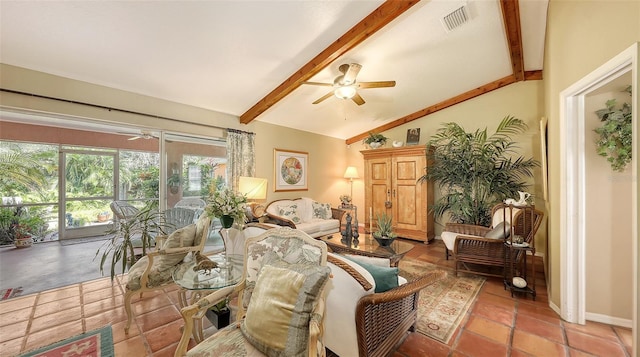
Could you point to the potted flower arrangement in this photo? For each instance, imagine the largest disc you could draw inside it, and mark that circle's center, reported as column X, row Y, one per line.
column 228, row 205
column 23, row 236
column 345, row 200
column 375, row 140
column 384, row 235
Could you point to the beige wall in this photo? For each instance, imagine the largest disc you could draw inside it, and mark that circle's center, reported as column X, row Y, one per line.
column 523, row 100
column 581, row 35
column 609, row 268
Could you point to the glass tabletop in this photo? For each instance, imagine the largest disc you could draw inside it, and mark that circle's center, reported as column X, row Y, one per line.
column 367, row 245
column 228, row 272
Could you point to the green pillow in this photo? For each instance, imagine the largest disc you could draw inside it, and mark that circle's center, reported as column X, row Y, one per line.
column 386, row 278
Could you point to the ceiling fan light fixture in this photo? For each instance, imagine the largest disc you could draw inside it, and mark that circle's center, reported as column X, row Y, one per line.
column 346, row 92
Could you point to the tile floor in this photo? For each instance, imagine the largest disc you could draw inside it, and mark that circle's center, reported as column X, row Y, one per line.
column 496, row 324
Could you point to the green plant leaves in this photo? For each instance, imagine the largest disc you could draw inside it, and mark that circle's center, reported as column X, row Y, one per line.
column 615, row 136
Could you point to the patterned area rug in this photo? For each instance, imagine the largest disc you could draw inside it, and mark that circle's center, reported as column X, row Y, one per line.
column 97, row 343
column 6, row 294
column 444, row 304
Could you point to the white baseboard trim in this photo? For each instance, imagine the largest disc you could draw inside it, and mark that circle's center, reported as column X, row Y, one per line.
column 609, row 320
column 554, row 307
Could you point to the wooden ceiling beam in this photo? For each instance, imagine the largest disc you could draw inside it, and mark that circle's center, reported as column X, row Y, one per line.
column 511, row 18
column 439, row 106
column 375, row 21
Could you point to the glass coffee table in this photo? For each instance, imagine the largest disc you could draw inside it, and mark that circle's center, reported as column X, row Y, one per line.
column 201, row 282
column 369, row 247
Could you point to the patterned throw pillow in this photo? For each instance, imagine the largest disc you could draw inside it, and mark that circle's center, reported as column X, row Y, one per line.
column 277, row 319
column 321, row 210
column 290, row 212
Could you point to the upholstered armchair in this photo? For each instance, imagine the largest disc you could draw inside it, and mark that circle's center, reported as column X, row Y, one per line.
column 477, row 245
column 280, row 300
column 154, row 270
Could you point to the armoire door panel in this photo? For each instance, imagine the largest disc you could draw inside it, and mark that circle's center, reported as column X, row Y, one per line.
column 406, row 170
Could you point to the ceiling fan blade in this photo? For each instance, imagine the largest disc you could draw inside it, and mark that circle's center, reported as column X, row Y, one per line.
column 324, row 97
column 352, row 72
column 358, row 99
column 380, row 84
column 319, row 84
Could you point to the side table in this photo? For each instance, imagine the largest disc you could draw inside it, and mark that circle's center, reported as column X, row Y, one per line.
column 516, row 266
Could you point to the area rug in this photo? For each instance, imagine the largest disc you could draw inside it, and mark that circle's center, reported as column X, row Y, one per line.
column 97, row 343
column 6, row 294
column 442, row 305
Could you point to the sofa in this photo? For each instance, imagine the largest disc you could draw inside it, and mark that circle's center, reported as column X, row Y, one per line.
column 312, row 217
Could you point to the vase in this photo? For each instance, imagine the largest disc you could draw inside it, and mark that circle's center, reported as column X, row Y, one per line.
column 375, row 145
column 226, row 220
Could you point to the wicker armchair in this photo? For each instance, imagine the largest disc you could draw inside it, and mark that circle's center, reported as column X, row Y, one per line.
column 470, row 246
column 381, row 319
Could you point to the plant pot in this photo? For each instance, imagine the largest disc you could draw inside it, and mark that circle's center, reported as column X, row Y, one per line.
column 103, row 217
column 375, row 145
column 25, row 242
column 384, row 241
column 219, row 318
column 226, row 221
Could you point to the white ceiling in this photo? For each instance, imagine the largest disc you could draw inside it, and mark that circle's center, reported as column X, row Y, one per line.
column 228, row 55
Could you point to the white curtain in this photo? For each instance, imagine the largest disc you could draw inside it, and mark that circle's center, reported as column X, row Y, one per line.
column 240, row 156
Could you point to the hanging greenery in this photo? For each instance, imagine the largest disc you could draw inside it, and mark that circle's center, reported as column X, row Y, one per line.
column 615, row 134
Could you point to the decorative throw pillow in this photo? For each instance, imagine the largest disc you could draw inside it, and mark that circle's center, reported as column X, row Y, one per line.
column 183, row 237
column 321, row 210
column 385, row 278
column 277, row 319
column 501, row 231
column 290, row 212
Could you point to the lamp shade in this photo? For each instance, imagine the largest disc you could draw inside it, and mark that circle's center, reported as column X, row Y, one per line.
column 351, row 173
column 255, row 188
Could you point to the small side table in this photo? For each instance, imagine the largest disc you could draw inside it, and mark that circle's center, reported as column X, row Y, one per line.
column 514, row 250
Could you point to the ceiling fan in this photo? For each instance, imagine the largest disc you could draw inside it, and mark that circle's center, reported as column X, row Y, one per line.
column 345, row 85
column 143, row 135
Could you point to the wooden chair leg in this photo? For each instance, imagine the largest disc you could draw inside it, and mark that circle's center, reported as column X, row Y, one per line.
column 127, row 308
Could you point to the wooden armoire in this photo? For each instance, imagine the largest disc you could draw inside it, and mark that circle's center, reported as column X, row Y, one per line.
column 391, row 185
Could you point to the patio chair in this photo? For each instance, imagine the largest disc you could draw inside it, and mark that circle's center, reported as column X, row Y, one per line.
column 280, row 300
column 154, row 270
column 177, row 217
column 484, row 246
column 123, row 210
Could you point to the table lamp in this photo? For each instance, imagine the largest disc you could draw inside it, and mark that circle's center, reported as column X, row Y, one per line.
column 254, row 188
column 351, row 173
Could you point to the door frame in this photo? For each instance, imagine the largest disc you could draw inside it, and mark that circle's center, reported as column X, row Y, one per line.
column 572, row 185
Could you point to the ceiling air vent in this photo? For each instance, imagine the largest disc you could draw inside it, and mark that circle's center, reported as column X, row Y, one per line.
column 455, row 19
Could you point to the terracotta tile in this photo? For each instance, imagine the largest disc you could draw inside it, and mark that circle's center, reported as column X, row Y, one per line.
column 57, row 294
column 593, row 344
column 417, row 344
column 103, row 305
column 501, row 301
column 99, row 284
column 168, row 351
column 478, row 346
column 594, row 329
column 19, row 303
column 540, row 328
column 131, row 347
column 11, row 347
column 56, row 318
column 536, row 345
column 158, row 318
column 164, row 335
column 105, row 318
column 56, row 332
column 150, row 303
column 494, row 313
column 12, row 317
column 13, row 331
column 117, row 331
column 56, row 305
column 576, row 353
column 489, row 329
column 625, row 335
column 518, row 353
column 539, row 312
column 101, row 294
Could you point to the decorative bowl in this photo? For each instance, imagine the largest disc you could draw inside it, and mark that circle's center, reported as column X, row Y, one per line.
column 397, row 144
column 384, row 241
column 519, row 282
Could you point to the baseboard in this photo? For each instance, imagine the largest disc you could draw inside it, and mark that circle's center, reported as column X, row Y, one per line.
column 609, row 320
column 553, row 306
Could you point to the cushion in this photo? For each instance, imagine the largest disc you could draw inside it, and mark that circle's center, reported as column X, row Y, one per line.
column 501, row 231
column 183, row 237
column 278, row 315
column 321, row 210
column 290, row 212
column 386, row 278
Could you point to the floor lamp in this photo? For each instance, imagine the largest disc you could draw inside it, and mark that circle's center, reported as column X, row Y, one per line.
column 351, row 173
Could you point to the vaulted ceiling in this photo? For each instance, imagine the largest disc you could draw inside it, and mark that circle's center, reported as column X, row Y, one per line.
column 250, row 58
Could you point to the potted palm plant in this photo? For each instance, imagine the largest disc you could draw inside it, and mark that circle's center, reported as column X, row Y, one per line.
column 476, row 170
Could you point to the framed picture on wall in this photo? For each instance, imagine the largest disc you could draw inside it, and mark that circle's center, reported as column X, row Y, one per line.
column 291, row 170
column 413, row 136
